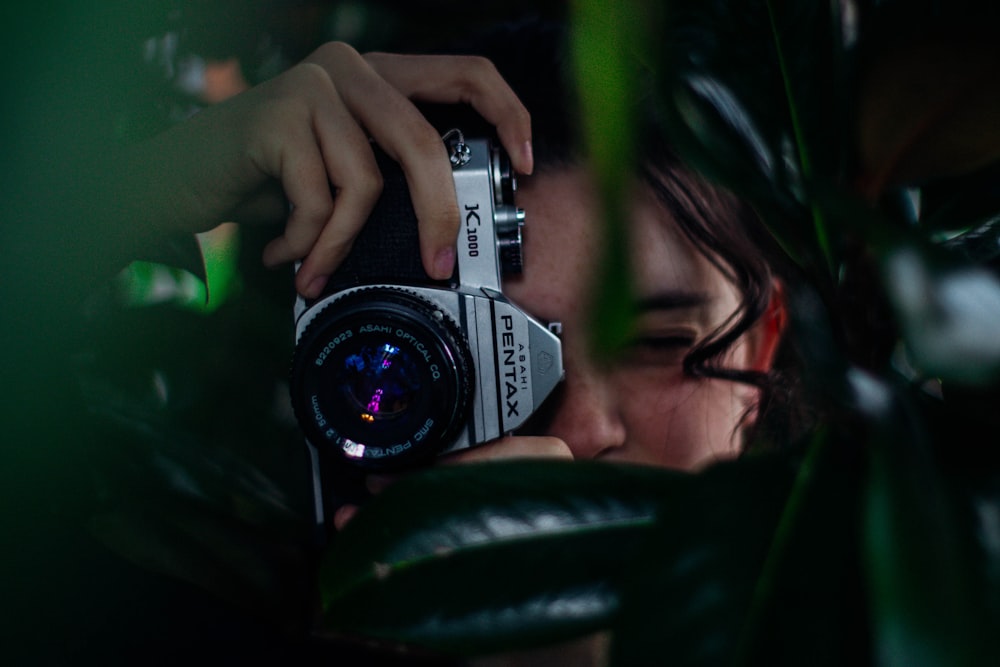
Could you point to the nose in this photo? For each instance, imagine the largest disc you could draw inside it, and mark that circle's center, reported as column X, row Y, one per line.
column 588, row 419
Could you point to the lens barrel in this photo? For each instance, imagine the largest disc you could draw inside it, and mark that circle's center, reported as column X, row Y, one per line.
column 383, row 378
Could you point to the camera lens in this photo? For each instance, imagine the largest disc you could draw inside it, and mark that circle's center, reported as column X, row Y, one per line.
column 383, row 378
column 381, row 381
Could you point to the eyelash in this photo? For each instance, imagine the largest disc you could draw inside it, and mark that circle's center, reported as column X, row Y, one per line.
column 650, row 350
column 664, row 341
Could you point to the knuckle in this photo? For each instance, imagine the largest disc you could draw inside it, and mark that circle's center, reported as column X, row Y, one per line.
column 475, row 73
column 478, row 68
column 336, row 51
column 426, row 141
column 311, row 75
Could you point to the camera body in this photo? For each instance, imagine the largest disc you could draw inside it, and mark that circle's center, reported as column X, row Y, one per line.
column 391, row 368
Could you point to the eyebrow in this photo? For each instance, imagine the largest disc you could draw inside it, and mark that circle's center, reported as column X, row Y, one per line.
column 671, row 300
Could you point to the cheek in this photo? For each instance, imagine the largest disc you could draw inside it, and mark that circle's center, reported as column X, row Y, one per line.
column 682, row 423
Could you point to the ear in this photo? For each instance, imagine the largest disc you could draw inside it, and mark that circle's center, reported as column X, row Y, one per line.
column 766, row 335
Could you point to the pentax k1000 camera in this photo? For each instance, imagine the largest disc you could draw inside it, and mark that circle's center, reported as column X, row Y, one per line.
column 392, row 368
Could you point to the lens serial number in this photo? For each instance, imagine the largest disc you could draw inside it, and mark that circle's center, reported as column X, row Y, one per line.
column 331, row 346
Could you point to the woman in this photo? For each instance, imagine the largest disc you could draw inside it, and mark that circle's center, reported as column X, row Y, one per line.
column 709, row 310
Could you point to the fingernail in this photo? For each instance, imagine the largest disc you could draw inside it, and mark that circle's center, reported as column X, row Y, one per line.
column 315, row 288
column 528, row 155
column 444, row 263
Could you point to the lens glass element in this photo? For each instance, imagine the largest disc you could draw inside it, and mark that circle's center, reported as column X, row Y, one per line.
column 380, row 381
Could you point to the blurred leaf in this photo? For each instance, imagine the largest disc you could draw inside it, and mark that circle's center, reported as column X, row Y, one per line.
column 978, row 244
column 197, row 474
column 809, row 600
column 926, row 587
column 177, row 504
column 694, row 584
column 950, row 315
column 986, row 508
column 748, row 92
column 474, row 559
column 928, row 108
column 236, row 562
column 165, row 459
column 813, row 333
column 962, row 215
column 606, row 40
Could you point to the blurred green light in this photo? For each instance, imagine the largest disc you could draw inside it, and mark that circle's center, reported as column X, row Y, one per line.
column 144, row 283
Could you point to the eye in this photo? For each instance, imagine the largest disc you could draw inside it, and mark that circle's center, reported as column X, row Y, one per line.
column 658, row 350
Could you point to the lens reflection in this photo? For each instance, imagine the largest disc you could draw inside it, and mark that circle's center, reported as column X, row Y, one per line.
column 380, row 381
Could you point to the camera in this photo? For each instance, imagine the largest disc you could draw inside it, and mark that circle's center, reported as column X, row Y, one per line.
column 391, row 368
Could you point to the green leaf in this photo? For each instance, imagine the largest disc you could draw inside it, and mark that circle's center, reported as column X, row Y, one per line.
column 606, row 42
column 474, row 559
column 949, row 314
column 693, row 587
column 985, row 502
column 964, row 214
column 196, row 475
column 176, row 503
column 927, row 587
column 748, row 91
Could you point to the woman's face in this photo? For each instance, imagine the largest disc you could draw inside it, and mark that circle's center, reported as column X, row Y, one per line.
column 642, row 408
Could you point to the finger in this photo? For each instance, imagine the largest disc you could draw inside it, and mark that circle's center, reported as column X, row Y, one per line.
column 351, row 164
column 432, row 189
column 514, row 447
column 307, row 186
column 284, row 147
column 471, row 80
column 353, row 204
column 409, row 139
column 343, row 515
column 322, row 148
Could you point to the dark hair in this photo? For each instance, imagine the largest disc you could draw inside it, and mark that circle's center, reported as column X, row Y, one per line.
column 533, row 57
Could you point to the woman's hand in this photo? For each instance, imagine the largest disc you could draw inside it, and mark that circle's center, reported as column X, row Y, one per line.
column 302, row 139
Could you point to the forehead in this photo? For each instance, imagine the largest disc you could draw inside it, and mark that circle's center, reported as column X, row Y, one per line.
column 564, row 238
